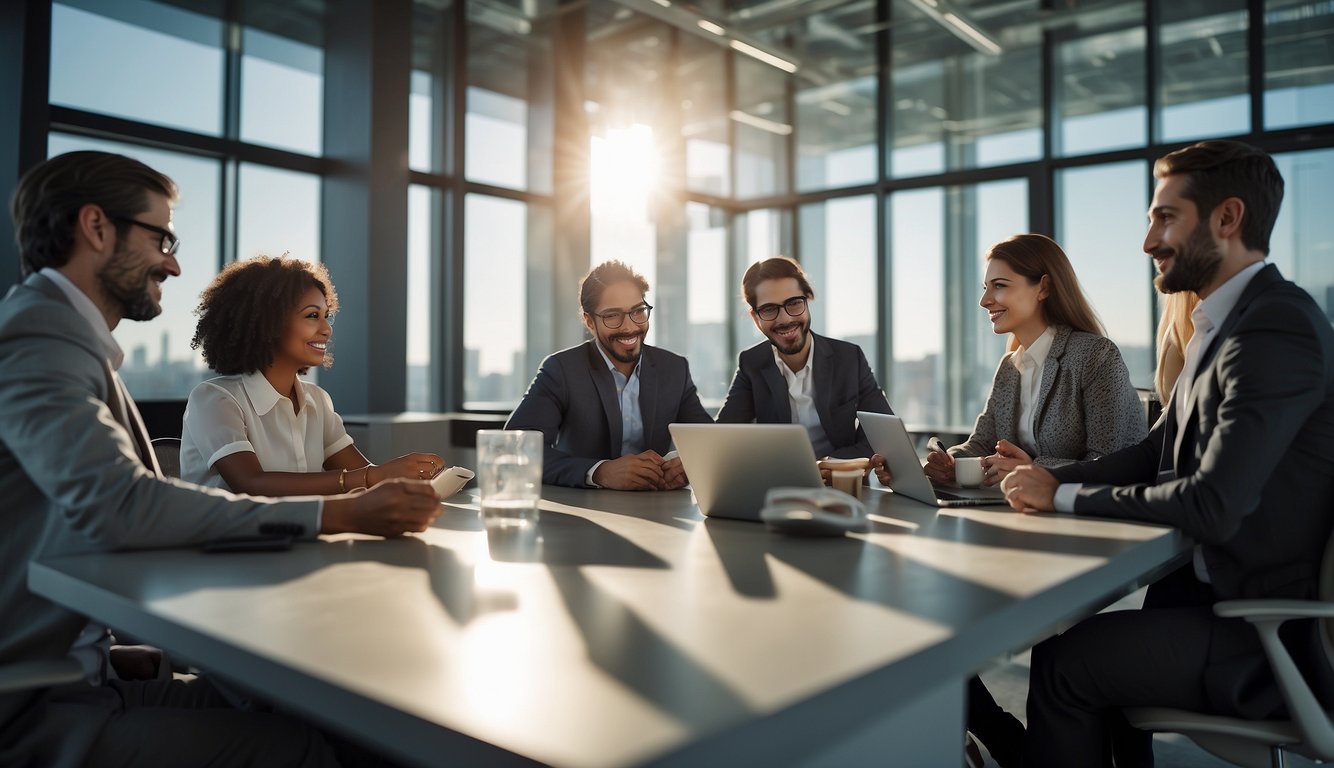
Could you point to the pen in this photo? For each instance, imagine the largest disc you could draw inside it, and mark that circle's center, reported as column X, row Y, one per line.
column 934, row 444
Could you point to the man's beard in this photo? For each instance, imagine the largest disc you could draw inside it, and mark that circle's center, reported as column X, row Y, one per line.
column 619, row 354
column 127, row 284
column 1194, row 263
column 797, row 345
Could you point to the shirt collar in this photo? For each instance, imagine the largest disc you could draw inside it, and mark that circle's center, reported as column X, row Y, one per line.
column 805, row 369
column 1041, row 347
column 612, row 366
column 264, row 397
column 88, row 310
column 1221, row 302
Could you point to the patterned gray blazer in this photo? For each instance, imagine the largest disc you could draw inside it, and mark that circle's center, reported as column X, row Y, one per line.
column 1086, row 406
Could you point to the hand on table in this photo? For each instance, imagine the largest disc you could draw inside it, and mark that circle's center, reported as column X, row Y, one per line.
column 1005, row 460
column 673, row 474
column 1030, row 488
column 392, row 508
column 413, row 466
column 637, row 472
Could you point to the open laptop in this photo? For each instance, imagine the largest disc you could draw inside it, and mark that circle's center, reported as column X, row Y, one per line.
column 890, row 439
column 732, row 466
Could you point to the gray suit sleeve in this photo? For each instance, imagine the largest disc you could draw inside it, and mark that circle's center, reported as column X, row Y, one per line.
column 983, row 440
column 58, row 427
column 543, row 409
column 1113, row 417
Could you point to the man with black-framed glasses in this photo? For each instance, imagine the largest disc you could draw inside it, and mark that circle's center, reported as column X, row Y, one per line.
column 797, row 376
column 603, row 406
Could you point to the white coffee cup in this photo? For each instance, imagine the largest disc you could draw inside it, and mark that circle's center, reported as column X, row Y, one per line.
column 968, row 471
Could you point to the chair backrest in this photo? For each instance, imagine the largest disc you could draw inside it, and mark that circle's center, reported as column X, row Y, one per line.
column 168, row 451
column 1326, row 587
column 1153, row 407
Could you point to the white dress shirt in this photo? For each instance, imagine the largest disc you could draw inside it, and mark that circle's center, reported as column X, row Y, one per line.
column 1208, row 316
column 231, row 414
column 632, row 417
column 89, row 311
column 801, row 399
column 1030, row 363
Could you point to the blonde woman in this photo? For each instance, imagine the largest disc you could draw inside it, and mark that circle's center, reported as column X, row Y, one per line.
column 1175, row 328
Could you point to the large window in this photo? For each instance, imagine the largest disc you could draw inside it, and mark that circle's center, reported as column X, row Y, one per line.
column 944, row 351
column 508, row 128
column 1101, row 226
column 838, row 252
column 1299, row 77
column 1099, row 99
column 1303, row 242
column 109, row 58
column 1202, row 72
column 884, row 145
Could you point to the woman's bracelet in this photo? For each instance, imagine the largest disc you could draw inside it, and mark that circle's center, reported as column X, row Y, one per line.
column 342, row 481
column 366, row 479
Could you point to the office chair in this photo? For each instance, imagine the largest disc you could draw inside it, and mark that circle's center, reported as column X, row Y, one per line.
column 1253, row 743
column 168, row 451
column 26, row 675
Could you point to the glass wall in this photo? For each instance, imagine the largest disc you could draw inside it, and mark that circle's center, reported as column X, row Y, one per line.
column 1101, row 226
column 692, row 150
column 108, row 58
column 1299, row 79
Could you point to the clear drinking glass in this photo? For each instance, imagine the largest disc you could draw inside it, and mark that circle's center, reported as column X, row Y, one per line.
column 509, row 464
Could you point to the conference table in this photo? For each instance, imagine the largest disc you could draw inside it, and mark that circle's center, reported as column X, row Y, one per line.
column 625, row 629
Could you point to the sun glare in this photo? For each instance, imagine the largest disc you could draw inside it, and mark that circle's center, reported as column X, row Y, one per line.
column 624, row 169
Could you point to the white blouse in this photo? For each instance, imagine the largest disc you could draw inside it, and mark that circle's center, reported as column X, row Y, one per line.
column 231, row 414
column 1030, row 363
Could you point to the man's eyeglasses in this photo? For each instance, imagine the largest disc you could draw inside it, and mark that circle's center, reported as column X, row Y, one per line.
column 794, row 307
column 170, row 242
column 615, row 318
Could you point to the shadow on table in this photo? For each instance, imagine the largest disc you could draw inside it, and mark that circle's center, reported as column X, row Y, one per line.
column 625, row 647
column 451, row 579
column 867, row 571
column 561, row 539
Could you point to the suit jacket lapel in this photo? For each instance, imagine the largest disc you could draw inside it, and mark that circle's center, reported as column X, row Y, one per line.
column 824, row 385
column 1050, row 368
column 1258, row 284
column 777, row 392
column 606, row 389
column 648, row 395
column 123, row 408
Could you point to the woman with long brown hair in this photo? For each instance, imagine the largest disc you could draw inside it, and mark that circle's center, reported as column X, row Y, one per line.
column 1061, row 394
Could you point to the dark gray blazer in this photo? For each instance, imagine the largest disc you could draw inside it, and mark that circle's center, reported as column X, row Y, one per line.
column 844, row 384
column 72, row 481
column 572, row 402
column 1253, row 482
column 1086, row 405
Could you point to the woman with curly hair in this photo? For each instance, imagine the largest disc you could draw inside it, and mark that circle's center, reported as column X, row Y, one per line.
column 257, row 428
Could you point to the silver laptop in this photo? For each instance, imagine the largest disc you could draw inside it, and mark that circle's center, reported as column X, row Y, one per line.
column 732, row 466
column 890, row 439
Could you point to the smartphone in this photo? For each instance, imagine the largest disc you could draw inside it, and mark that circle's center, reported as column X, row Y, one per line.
column 249, row 544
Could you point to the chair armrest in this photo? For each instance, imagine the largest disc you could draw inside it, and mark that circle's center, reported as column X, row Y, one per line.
column 1274, row 610
column 1267, row 616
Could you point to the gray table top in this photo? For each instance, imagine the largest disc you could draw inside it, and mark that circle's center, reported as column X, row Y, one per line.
column 626, row 629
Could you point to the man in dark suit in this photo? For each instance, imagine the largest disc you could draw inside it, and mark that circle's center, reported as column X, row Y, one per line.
column 77, row 475
column 1242, row 461
column 796, row 376
column 603, row 406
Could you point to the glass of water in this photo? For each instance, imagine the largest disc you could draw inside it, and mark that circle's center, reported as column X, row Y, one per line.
column 509, row 468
